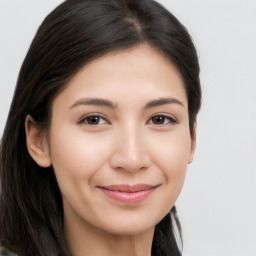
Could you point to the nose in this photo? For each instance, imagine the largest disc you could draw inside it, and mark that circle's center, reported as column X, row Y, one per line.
column 130, row 152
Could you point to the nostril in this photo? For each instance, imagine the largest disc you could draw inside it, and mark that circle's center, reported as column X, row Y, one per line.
column 129, row 164
column 130, row 152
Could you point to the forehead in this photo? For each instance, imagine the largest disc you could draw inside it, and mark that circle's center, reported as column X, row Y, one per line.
column 141, row 73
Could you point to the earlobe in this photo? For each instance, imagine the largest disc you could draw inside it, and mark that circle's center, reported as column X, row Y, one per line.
column 193, row 144
column 37, row 143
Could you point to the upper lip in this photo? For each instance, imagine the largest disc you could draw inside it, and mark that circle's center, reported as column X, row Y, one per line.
column 128, row 188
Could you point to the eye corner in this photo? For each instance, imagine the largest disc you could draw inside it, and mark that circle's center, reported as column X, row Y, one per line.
column 162, row 120
column 93, row 120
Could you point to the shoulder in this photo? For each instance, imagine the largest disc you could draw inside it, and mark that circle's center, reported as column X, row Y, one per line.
column 6, row 252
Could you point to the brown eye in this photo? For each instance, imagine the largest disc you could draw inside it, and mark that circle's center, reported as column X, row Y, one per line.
column 162, row 119
column 93, row 120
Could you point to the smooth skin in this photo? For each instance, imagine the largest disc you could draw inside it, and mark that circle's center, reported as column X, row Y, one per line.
column 123, row 119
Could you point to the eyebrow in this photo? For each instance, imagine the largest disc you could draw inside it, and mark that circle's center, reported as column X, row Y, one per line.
column 107, row 103
column 162, row 101
column 95, row 101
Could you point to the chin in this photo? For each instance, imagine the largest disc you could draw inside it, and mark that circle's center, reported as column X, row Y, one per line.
column 131, row 226
column 127, row 230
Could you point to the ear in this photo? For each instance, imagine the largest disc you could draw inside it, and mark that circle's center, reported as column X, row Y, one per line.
column 193, row 144
column 37, row 144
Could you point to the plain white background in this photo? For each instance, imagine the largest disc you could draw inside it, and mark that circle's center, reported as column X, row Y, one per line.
column 217, row 206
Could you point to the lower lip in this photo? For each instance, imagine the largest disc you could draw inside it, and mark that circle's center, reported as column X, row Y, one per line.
column 126, row 197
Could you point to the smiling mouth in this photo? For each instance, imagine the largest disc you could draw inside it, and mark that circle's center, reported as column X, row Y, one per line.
column 128, row 193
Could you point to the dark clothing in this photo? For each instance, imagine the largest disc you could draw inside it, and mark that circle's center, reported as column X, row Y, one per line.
column 6, row 252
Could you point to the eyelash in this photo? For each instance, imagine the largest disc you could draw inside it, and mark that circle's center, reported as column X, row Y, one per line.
column 83, row 120
column 171, row 120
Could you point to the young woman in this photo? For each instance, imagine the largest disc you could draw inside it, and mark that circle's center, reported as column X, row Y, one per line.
column 100, row 132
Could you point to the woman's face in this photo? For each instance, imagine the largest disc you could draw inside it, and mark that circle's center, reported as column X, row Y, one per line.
column 120, row 142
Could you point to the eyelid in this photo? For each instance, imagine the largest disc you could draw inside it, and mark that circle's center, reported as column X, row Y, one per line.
column 172, row 119
column 82, row 119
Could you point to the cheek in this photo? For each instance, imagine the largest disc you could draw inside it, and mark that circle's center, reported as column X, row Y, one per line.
column 76, row 156
column 171, row 155
column 172, row 151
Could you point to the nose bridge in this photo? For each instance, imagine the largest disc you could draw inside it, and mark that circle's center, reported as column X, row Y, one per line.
column 130, row 151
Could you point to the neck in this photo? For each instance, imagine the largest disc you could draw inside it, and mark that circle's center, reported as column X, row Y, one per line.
column 86, row 240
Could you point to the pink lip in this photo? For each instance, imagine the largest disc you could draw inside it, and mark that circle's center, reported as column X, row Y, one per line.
column 127, row 193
